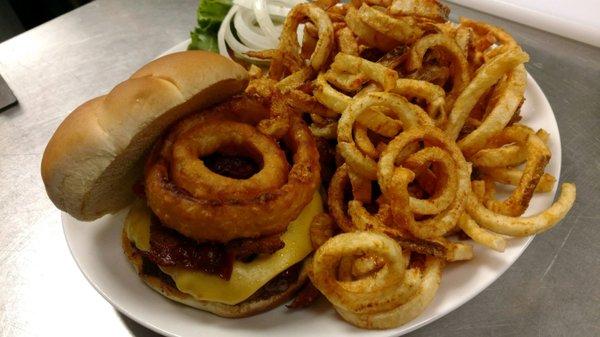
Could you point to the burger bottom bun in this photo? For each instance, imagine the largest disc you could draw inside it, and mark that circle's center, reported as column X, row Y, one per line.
column 243, row 309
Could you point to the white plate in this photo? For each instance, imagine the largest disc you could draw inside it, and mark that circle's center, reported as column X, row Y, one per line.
column 97, row 250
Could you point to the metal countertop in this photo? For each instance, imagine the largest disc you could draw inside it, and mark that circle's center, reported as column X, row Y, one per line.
column 550, row 291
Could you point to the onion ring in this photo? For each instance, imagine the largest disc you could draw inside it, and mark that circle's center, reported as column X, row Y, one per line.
column 186, row 170
column 223, row 219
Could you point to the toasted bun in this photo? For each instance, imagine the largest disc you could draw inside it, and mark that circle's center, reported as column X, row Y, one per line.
column 244, row 309
column 95, row 156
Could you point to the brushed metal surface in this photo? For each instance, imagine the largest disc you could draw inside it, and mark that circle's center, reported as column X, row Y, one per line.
column 6, row 96
column 550, row 290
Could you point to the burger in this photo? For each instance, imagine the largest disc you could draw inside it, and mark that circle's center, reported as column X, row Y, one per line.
column 222, row 186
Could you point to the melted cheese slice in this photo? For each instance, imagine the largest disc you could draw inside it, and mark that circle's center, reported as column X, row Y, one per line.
column 246, row 278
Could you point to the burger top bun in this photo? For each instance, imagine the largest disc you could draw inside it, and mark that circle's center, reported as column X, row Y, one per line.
column 96, row 155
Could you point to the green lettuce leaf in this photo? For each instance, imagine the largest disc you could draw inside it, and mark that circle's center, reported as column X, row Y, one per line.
column 210, row 15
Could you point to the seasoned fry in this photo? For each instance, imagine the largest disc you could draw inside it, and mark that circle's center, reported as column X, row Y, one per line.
column 322, row 228
column 408, row 114
column 459, row 66
column 430, row 9
column 403, row 29
column 442, row 222
column 433, row 94
column 288, row 44
column 423, row 295
column 508, row 101
column 513, row 176
column 523, row 226
column 487, row 76
column 420, row 118
column 366, row 34
column 346, row 41
column 481, row 235
column 382, row 75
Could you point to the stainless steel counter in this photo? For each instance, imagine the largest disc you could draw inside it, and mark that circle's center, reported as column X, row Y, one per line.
column 550, row 291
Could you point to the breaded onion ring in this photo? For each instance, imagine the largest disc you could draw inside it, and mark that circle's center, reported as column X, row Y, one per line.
column 202, row 208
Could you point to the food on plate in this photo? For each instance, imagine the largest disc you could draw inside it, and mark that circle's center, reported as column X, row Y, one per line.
column 223, row 213
column 372, row 282
column 422, row 119
column 409, row 123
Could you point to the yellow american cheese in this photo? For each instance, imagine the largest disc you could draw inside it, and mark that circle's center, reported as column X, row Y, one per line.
column 246, row 278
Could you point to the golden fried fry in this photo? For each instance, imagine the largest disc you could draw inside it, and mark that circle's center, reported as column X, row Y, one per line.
column 430, row 9
column 403, row 29
column 486, row 76
column 322, row 228
column 513, row 176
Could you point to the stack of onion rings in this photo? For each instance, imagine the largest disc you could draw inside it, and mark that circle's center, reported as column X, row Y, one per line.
column 204, row 205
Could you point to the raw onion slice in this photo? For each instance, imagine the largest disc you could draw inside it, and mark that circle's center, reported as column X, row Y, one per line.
column 257, row 26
